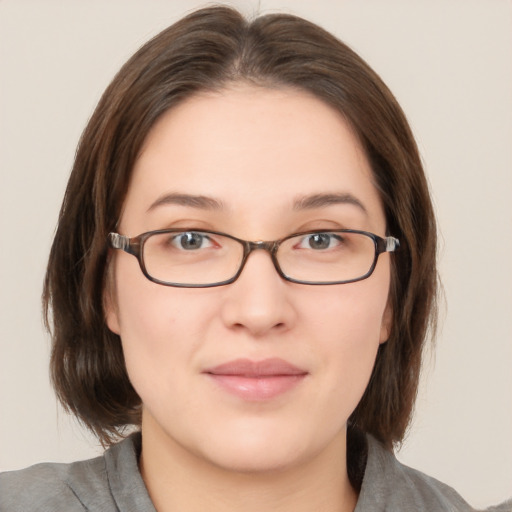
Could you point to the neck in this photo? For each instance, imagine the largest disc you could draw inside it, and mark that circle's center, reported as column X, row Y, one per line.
column 177, row 479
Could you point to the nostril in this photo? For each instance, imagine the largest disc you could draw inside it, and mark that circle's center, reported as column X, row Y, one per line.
column 242, row 326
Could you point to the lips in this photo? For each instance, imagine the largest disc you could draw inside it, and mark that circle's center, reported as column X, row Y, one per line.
column 256, row 380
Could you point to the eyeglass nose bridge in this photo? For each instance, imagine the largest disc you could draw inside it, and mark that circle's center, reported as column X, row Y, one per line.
column 270, row 247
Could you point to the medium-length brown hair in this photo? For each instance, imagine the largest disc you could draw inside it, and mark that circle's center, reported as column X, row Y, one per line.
column 208, row 50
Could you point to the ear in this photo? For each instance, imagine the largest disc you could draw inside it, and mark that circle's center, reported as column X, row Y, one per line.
column 110, row 309
column 387, row 322
column 111, row 314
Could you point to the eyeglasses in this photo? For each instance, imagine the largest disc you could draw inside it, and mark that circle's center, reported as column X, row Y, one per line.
column 191, row 258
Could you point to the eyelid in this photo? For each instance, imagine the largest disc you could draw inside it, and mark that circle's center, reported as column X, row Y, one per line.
column 326, row 225
column 185, row 225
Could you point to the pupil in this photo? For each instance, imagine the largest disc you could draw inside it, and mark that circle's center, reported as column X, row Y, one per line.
column 191, row 240
column 319, row 241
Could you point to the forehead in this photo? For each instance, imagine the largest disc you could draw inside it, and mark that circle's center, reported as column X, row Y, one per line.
column 251, row 148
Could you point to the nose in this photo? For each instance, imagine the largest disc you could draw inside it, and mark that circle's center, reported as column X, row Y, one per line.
column 259, row 301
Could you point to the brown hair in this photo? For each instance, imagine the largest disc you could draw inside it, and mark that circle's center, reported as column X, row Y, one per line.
column 207, row 50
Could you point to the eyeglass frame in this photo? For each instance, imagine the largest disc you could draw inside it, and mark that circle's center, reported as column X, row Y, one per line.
column 135, row 247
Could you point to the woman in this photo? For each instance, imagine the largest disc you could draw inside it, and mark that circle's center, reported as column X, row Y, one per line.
column 244, row 269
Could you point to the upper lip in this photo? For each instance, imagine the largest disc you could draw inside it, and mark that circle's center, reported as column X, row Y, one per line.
column 249, row 368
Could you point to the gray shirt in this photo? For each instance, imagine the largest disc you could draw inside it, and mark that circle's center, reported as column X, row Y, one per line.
column 112, row 483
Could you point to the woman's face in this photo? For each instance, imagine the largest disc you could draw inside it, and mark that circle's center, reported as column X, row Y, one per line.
column 306, row 352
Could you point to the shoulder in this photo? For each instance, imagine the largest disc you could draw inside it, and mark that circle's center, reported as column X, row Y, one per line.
column 390, row 485
column 48, row 486
column 108, row 483
column 52, row 487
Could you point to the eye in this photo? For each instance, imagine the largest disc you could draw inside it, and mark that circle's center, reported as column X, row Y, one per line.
column 319, row 241
column 192, row 241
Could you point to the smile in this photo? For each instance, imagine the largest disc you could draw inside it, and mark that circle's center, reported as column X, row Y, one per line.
column 256, row 380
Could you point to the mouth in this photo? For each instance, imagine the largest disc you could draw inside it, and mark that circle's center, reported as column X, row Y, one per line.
column 256, row 381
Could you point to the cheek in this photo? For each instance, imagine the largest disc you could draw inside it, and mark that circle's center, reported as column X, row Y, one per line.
column 353, row 313
column 347, row 326
column 160, row 328
column 350, row 335
column 159, row 322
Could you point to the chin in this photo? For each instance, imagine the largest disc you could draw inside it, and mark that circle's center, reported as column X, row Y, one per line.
column 264, row 460
column 268, row 451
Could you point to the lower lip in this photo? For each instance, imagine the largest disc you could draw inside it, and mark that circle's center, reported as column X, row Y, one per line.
column 257, row 389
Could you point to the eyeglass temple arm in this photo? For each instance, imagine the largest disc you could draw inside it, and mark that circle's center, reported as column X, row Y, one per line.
column 122, row 242
column 388, row 244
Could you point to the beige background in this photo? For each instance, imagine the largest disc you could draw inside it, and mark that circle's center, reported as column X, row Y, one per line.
column 449, row 64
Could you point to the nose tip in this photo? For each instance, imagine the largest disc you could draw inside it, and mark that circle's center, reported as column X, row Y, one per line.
column 259, row 301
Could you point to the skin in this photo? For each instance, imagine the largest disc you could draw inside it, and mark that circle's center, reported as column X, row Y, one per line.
column 256, row 151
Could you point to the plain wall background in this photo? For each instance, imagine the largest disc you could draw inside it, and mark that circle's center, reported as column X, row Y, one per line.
column 449, row 64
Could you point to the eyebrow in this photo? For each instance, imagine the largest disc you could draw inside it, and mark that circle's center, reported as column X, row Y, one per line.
column 320, row 200
column 309, row 202
column 193, row 201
